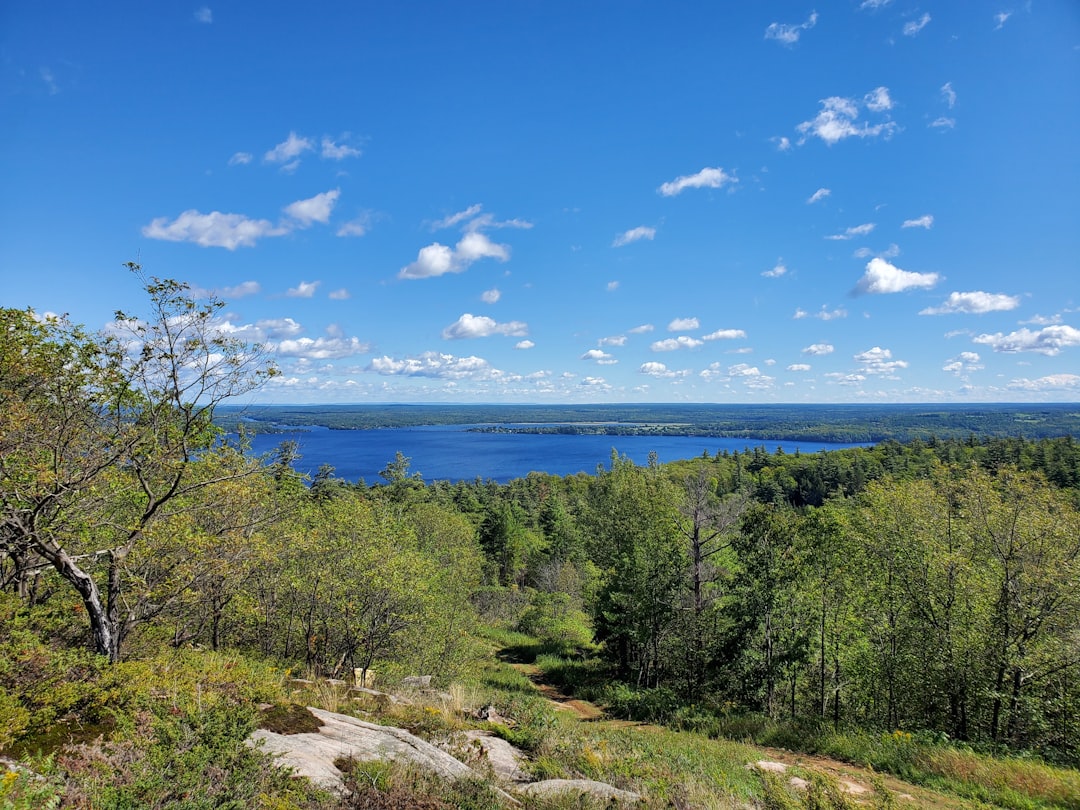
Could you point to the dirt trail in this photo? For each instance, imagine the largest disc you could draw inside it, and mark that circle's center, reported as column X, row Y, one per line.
column 855, row 780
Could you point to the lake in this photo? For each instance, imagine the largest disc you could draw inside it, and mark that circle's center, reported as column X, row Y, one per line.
column 453, row 453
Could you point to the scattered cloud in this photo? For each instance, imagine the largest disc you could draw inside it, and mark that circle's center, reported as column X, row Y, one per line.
column 215, row 229
column 634, row 235
column 661, row 371
column 1042, row 320
column 323, row 348
column 435, row 365
column 334, row 151
column 456, row 219
column 340, row 295
column 818, row 196
column 313, row 209
column 799, row 367
column 725, row 334
column 437, row 259
column 600, row 357
column 355, row 227
column 1000, row 19
column 683, row 324
column 879, row 361
column 241, row 290
column 1049, row 340
column 305, row 289
column 1052, row 382
column 819, row 349
column 524, row 344
column 614, row 340
column 672, row 344
column 963, row 364
column 873, row 4
column 882, row 277
column 289, row 149
column 788, row 34
column 974, row 303
column 838, row 116
column 915, row 26
column 891, row 252
column 706, row 178
column 777, row 271
column 478, row 326
column 204, row 15
column 241, row 159
column 612, row 286
column 925, row 221
column 491, row 296
column 645, row 328
column 948, row 94
column 50, row 81
column 943, row 123
column 852, row 232
column 783, row 143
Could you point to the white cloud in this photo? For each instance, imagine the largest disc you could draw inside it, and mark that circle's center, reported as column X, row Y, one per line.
column 305, row 289
column 313, row 209
column 355, row 227
column 661, row 371
column 852, row 232
column 612, row 286
column 491, row 296
column 634, row 235
column 437, row 259
column 879, row 361
column 671, row 344
column 837, row 120
column 204, row 15
column 1042, row 320
column 706, row 178
column 289, row 149
column 975, row 303
column 725, row 334
column 777, row 271
column 241, row 159
column 524, row 344
column 478, row 326
column 614, row 340
column 1052, row 382
column 948, row 94
column 825, row 314
column 873, row 4
column 915, row 26
column 339, row 295
column 819, row 349
column 818, row 195
column 963, row 364
column 456, row 219
column 878, row 100
column 882, row 277
column 601, row 357
column 925, row 221
column 1049, row 340
column 798, row 367
column 783, row 143
column 332, row 348
column 683, row 324
column 789, row 34
column 244, row 288
column 335, row 151
column 645, row 328
column 215, row 229
column 943, row 123
column 435, row 365
column 1001, row 18
column 891, row 252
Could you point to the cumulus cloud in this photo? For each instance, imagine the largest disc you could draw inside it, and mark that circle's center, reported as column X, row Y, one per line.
column 645, row 328
column 661, row 371
column 823, row 314
column 600, row 357
column 335, row 151
column 634, row 235
column 818, row 196
column 289, row 149
column 1042, row 320
column 241, row 159
column 1049, row 340
column 777, row 271
column 323, row 348
column 1052, row 382
column 925, row 221
column 799, row 367
column 725, row 334
column 683, row 324
column 789, row 34
column 241, row 290
column 819, row 349
column 215, row 229
column 882, row 277
column 915, row 26
column 672, row 344
column 852, row 232
column 204, row 15
column 879, row 361
column 963, row 364
column 974, row 303
column 596, row 383
column 435, row 365
column 948, row 94
column 305, row 289
column 314, row 209
column 491, row 296
column 437, row 259
column 478, row 326
column 614, row 340
column 706, row 178
column 838, row 116
column 524, row 344
column 783, row 143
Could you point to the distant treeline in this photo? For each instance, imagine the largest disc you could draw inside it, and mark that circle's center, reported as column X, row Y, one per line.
column 828, row 423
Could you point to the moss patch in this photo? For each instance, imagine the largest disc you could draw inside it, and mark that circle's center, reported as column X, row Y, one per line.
column 291, row 718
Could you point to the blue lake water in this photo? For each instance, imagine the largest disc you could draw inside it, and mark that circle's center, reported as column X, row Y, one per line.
column 453, row 453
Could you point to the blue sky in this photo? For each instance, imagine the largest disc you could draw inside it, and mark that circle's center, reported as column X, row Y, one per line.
column 869, row 200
